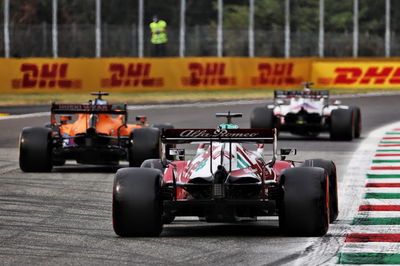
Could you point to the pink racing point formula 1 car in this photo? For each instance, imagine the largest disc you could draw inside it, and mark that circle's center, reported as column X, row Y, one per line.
column 225, row 182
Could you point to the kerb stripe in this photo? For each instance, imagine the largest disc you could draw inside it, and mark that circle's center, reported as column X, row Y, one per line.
column 379, row 208
column 382, row 185
column 355, row 237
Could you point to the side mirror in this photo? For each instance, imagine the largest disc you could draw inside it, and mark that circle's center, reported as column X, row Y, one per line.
column 279, row 102
column 177, row 153
column 286, row 152
column 141, row 119
column 337, row 102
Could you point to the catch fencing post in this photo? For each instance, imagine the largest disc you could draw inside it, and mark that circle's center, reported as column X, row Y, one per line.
column 321, row 39
column 182, row 29
column 98, row 28
column 287, row 28
column 251, row 28
column 54, row 29
column 355, row 28
column 6, row 15
column 387, row 31
column 140, row 28
column 219, row 28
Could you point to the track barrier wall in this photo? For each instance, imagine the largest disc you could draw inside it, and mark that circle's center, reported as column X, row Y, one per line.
column 196, row 73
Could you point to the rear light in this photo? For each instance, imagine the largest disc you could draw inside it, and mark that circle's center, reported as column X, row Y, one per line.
column 218, row 191
column 91, row 131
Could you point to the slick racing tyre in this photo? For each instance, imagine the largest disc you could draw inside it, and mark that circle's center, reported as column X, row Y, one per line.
column 342, row 124
column 153, row 163
column 262, row 117
column 145, row 144
column 35, row 148
column 304, row 205
column 357, row 121
column 59, row 162
column 136, row 205
column 167, row 146
column 330, row 169
column 157, row 164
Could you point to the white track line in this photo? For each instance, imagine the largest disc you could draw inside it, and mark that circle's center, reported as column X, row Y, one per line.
column 158, row 106
column 208, row 104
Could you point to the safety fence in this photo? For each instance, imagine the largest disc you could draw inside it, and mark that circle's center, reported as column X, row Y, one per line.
column 193, row 73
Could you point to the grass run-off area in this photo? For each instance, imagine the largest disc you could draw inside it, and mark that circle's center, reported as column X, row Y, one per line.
column 155, row 97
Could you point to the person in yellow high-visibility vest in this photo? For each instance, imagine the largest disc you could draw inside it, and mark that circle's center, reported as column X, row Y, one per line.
column 158, row 36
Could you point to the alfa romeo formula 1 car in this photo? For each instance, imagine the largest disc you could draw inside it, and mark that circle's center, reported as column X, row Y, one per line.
column 308, row 113
column 92, row 133
column 225, row 182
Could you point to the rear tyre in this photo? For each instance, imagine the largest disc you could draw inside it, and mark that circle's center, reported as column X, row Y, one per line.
column 330, row 169
column 156, row 164
column 262, row 117
column 304, row 205
column 357, row 121
column 342, row 124
column 153, row 163
column 59, row 162
column 136, row 206
column 35, row 148
column 146, row 144
column 167, row 146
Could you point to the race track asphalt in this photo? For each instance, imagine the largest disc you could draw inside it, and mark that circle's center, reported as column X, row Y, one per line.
column 64, row 217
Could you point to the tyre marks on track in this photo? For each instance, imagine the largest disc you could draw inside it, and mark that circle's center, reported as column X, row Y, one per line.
column 375, row 232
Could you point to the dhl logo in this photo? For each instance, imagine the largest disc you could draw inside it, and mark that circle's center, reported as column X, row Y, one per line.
column 358, row 75
column 275, row 74
column 207, row 74
column 45, row 76
column 131, row 75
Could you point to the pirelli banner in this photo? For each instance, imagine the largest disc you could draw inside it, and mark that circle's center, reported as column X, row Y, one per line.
column 356, row 73
column 197, row 73
column 147, row 74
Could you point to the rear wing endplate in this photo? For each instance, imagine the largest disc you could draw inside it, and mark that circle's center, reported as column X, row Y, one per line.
column 61, row 108
column 190, row 135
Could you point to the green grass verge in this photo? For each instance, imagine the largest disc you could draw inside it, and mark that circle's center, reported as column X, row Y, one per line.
column 147, row 97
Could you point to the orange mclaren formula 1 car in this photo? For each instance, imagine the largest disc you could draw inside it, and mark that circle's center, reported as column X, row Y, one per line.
column 92, row 133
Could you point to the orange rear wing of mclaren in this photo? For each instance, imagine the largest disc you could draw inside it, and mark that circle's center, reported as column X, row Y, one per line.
column 67, row 108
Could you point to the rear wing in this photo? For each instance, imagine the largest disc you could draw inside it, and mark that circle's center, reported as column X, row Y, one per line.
column 66, row 108
column 190, row 135
column 284, row 94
